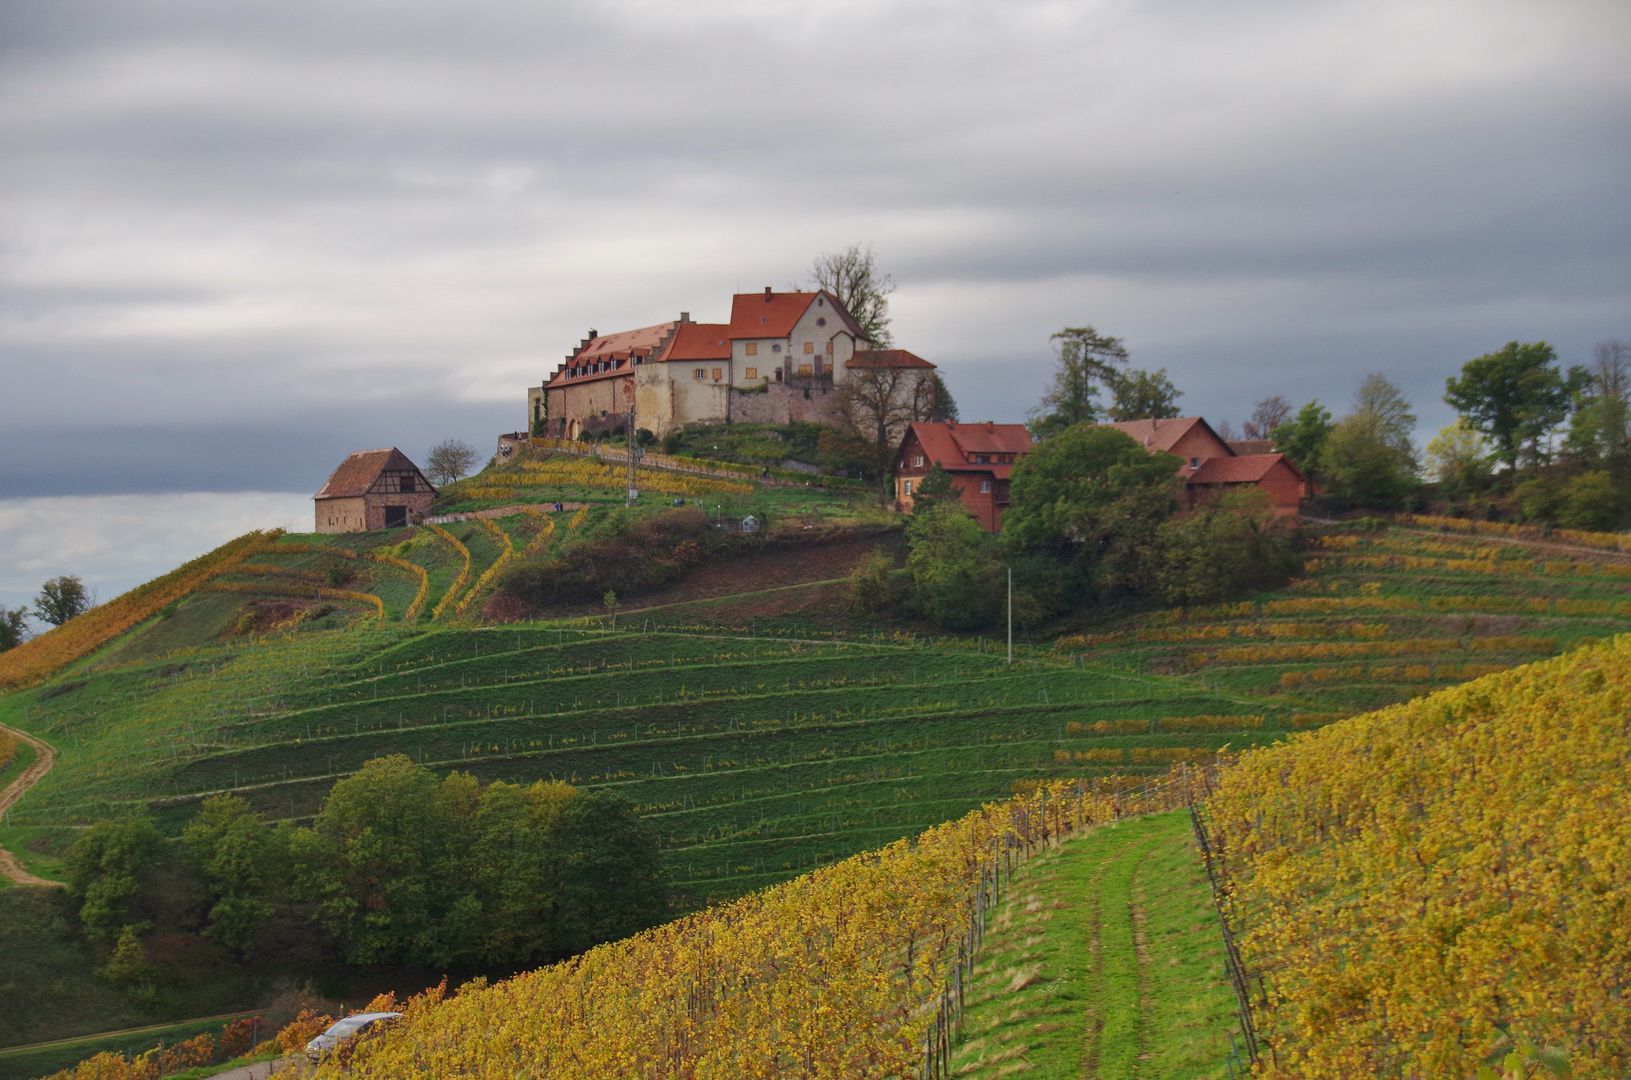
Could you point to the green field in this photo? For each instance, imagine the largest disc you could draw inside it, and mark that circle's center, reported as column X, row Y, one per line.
column 1104, row 959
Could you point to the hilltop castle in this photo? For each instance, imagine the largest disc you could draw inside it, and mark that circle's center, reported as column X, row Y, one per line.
column 780, row 359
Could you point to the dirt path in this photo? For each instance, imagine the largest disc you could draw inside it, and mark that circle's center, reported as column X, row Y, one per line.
column 45, row 756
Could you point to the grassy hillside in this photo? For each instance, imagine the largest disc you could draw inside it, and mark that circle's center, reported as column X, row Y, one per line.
column 1459, row 882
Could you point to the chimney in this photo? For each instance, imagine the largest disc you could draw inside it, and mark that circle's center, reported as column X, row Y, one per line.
column 593, row 333
column 685, row 316
column 990, row 427
column 767, row 294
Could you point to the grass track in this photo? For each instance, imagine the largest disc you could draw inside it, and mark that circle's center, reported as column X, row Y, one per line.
column 1103, row 961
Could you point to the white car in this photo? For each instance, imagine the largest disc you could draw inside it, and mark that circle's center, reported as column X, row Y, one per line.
column 341, row 1030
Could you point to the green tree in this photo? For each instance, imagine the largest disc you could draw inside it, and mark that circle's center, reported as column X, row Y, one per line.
column 609, row 874
column 945, row 406
column 235, row 854
column 937, row 484
column 1096, row 498
column 1515, row 395
column 1459, row 459
column 1140, row 395
column 954, row 566
column 1303, row 437
column 1229, row 546
column 515, row 870
column 105, row 869
column 1088, row 363
column 61, row 599
column 13, row 627
column 398, row 837
column 1369, row 458
column 1600, row 427
column 129, row 966
column 852, row 277
column 1594, row 502
column 874, row 586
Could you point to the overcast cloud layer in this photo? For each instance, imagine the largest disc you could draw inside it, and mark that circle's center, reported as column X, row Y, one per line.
column 240, row 240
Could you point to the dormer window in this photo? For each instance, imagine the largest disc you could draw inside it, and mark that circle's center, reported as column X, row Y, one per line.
column 1194, row 463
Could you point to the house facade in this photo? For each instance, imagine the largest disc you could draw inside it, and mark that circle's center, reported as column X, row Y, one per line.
column 1211, row 466
column 373, row 489
column 780, row 359
column 980, row 458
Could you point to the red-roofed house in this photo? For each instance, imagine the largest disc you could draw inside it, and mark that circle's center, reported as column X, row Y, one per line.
column 779, row 359
column 373, row 489
column 980, row 458
column 1211, row 465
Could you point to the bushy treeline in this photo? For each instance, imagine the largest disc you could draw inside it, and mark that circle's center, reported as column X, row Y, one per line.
column 1093, row 518
column 399, row 866
column 626, row 554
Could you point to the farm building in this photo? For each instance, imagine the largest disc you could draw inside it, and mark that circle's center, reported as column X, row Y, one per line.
column 1212, row 466
column 373, row 489
column 980, row 458
column 778, row 360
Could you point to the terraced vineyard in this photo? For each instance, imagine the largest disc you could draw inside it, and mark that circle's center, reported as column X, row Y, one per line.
column 757, row 758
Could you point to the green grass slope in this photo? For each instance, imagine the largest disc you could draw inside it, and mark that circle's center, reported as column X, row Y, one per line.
column 1104, row 959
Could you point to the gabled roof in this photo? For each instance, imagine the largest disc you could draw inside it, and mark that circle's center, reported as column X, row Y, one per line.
column 699, row 341
column 989, row 438
column 887, row 358
column 1161, row 434
column 1248, row 469
column 773, row 314
column 625, row 343
column 952, row 444
column 359, row 471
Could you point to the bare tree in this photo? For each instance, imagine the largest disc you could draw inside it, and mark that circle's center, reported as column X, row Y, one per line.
column 1611, row 368
column 875, row 404
column 852, row 277
column 1269, row 414
column 449, row 460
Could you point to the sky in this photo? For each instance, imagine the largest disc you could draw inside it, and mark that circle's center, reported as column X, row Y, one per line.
column 239, row 240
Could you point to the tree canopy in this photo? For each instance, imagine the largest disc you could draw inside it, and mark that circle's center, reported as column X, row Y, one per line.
column 1369, row 458
column 1088, row 361
column 1515, row 395
column 1142, row 395
column 61, row 599
column 1302, row 437
column 449, row 460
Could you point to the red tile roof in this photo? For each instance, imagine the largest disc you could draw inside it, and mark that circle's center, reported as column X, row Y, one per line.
column 358, row 472
column 625, row 343
column 699, row 341
column 1248, row 469
column 886, row 358
column 954, row 445
column 773, row 314
column 1160, row 434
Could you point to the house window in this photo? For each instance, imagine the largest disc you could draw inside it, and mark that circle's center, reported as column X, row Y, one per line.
column 753, row 348
column 809, row 347
column 804, row 369
column 906, row 487
column 752, row 373
column 985, row 487
column 917, row 461
column 699, row 373
column 1194, row 463
column 775, row 348
column 716, row 374
column 979, row 459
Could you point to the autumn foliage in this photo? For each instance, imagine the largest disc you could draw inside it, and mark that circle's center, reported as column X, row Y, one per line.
column 1417, row 882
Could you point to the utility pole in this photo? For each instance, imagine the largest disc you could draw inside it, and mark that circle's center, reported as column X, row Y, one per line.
column 1010, row 616
column 633, row 486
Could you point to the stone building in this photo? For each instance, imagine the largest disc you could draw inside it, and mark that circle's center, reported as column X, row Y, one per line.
column 780, row 359
column 373, row 489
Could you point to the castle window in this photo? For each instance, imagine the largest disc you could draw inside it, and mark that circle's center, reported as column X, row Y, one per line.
column 752, row 373
column 699, row 373
column 804, row 369
column 820, row 302
column 716, row 374
column 775, row 348
column 753, row 348
column 821, row 321
column 829, row 348
column 809, row 347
